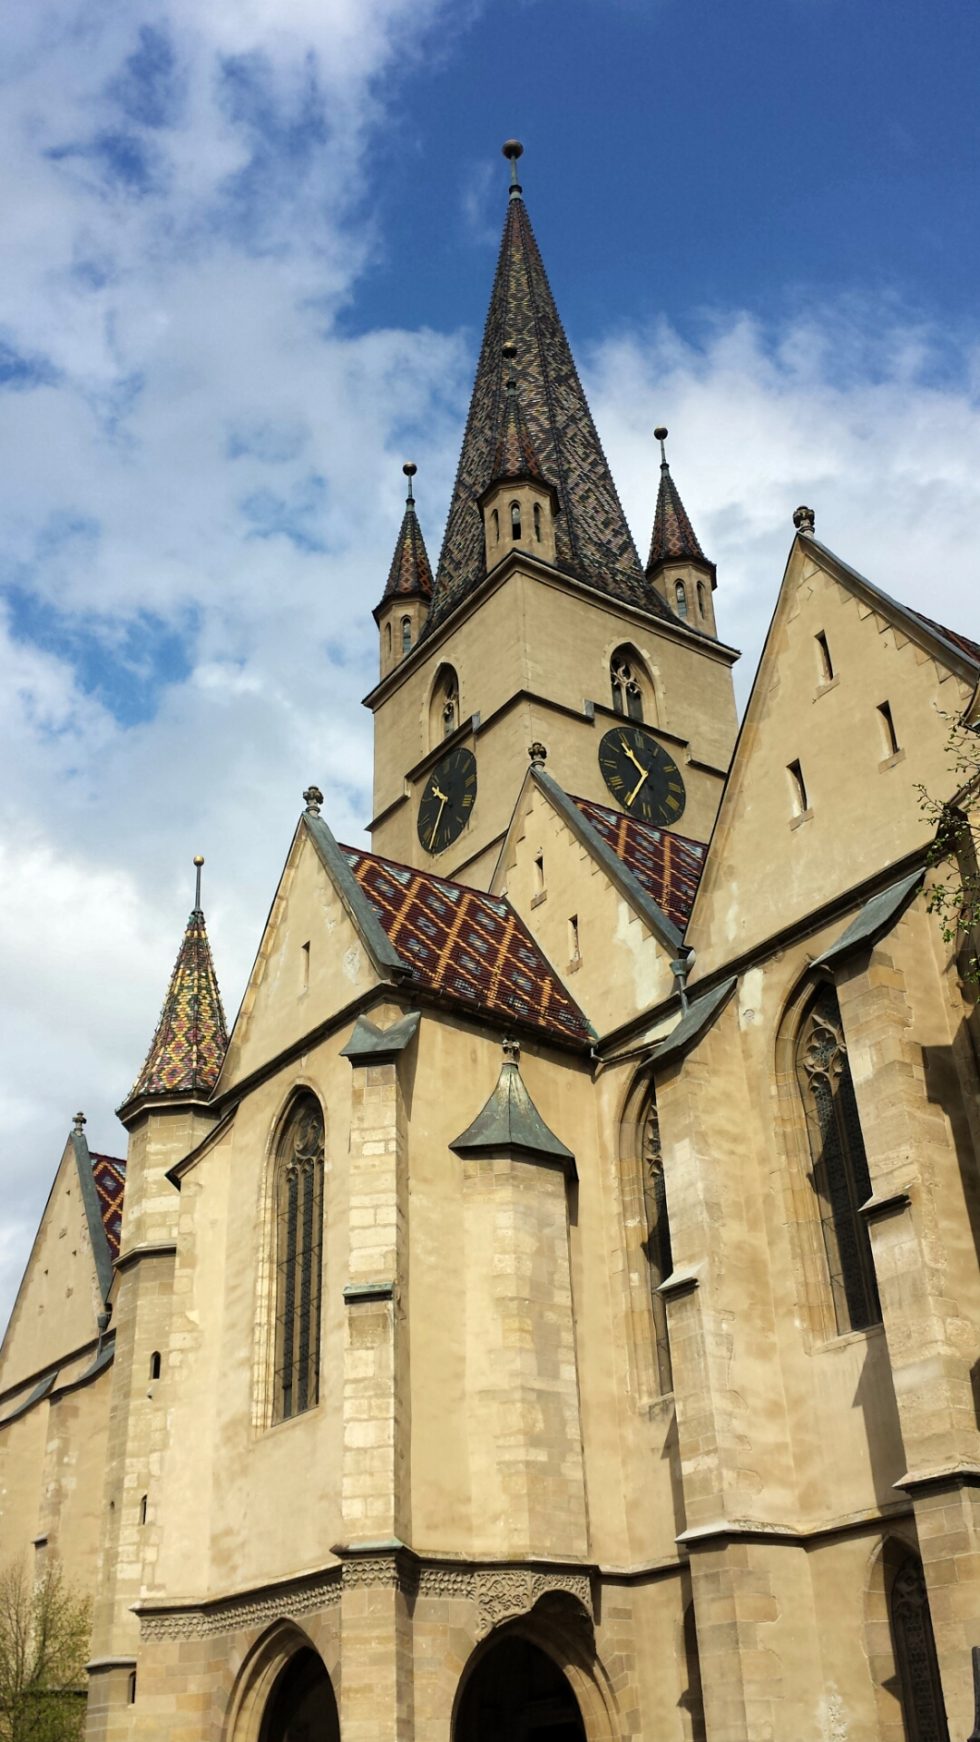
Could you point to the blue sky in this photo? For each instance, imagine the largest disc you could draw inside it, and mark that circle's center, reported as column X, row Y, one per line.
column 245, row 255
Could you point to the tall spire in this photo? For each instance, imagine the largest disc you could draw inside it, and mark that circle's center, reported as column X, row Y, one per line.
column 592, row 538
column 188, row 1048
column 674, row 538
column 410, row 575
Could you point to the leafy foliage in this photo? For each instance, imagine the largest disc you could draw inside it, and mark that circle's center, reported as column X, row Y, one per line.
column 954, row 856
column 44, row 1641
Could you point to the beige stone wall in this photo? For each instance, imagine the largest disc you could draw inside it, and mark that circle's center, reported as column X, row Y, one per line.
column 59, row 1298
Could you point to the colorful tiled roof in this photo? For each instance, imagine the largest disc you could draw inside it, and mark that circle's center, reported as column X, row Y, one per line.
column 188, row 1048
column 962, row 642
column 514, row 455
column 109, row 1174
column 593, row 540
column 668, row 865
column 410, row 575
column 674, row 538
column 468, row 946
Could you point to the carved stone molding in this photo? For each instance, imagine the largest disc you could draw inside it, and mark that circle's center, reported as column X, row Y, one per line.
column 506, row 1594
column 446, row 1582
column 234, row 1612
column 374, row 1570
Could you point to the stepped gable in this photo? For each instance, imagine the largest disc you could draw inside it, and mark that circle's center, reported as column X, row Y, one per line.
column 109, row 1174
column 469, row 947
column 188, row 1048
column 410, row 575
column 593, row 541
column 668, row 865
column 674, row 538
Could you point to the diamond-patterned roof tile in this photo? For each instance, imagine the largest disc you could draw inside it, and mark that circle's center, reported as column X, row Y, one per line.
column 674, row 538
column 109, row 1174
column 469, row 946
column 668, row 865
column 188, row 1048
column 410, row 575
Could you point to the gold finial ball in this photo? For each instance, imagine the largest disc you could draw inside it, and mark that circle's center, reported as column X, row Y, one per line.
column 410, row 468
column 510, row 350
column 660, row 433
column 513, row 149
column 199, row 860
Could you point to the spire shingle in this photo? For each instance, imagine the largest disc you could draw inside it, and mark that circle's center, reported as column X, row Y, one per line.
column 592, row 538
column 674, row 538
column 188, row 1048
column 410, row 575
column 514, row 456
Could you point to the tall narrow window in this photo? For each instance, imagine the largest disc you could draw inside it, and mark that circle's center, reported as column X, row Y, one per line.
column 627, row 695
column 537, row 521
column 797, row 787
column 406, row 634
column 495, row 524
column 681, row 597
column 701, row 599
column 299, row 1215
column 914, row 1646
column 839, row 1175
column 515, row 520
column 574, row 947
column 825, row 664
column 387, row 638
column 657, row 1243
column 539, row 873
column 143, row 1504
column 155, row 1364
column 888, row 733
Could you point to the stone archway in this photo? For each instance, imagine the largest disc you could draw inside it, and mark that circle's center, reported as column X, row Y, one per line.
column 301, row 1706
column 516, row 1692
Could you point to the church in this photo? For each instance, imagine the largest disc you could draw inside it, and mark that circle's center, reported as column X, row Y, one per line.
column 551, row 1312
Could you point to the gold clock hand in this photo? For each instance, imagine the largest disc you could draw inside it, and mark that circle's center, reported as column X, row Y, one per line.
column 643, row 777
column 635, row 761
column 435, row 826
column 437, row 792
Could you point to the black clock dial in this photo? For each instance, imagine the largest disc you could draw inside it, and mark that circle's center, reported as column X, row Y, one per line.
column 448, row 797
column 641, row 776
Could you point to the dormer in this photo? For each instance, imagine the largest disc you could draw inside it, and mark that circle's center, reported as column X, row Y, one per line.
column 405, row 601
column 519, row 505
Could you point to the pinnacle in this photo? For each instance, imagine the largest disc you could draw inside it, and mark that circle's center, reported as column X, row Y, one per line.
column 410, row 575
column 514, row 456
column 188, row 1048
column 674, row 538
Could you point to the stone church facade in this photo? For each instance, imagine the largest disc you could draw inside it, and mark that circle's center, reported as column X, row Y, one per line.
column 552, row 1311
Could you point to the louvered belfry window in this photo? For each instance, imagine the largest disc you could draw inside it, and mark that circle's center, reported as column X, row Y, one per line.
column 914, row 1647
column 657, row 1243
column 840, row 1175
column 299, row 1233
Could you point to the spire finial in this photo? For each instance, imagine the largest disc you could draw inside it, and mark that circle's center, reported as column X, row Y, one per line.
column 512, row 150
column 198, row 862
column 537, row 753
column 511, row 1051
column 804, row 519
column 313, row 799
column 660, row 435
column 410, row 469
column 79, row 1123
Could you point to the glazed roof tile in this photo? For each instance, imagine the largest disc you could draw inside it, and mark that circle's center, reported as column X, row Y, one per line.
column 470, row 947
column 410, row 575
column 109, row 1174
column 674, row 538
column 514, row 455
column 668, row 865
column 593, row 541
column 188, row 1048
column 962, row 642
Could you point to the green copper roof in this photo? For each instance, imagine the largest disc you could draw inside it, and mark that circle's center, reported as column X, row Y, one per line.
column 511, row 1121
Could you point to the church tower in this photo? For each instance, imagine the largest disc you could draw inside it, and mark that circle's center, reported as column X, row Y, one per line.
column 540, row 625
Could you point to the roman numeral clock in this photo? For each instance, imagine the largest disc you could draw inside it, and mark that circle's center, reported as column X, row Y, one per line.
column 641, row 776
column 448, row 797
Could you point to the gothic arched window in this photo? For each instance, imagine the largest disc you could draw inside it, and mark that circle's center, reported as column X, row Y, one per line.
column 387, row 637
column 515, row 520
column 406, row 634
column 681, row 597
column 701, row 599
column 839, row 1175
column 299, row 1235
column 914, row 1648
column 495, row 523
column 537, row 521
column 627, row 681
column 657, row 1242
column 443, row 706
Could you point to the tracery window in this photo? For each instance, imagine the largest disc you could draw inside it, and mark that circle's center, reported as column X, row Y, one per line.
column 299, row 1235
column 914, row 1646
column 657, row 1242
column 627, row 696
column 840, row 1174
column 443, row 706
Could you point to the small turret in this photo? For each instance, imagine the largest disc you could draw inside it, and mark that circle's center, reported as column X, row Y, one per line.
column 405, row 600
column 677, row 567
column 519, row 504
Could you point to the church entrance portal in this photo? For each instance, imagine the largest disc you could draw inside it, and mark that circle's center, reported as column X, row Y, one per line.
column 301, row 1706
column 517, row 1694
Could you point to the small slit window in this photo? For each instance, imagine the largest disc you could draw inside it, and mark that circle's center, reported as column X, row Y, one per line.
column 657, row 1244
column 574, row 949
column 406, row 634
column 131, row 1688
column 537, row 521
column 515, row 520
column 889, row 736
column 825, row 664
column 798, row 793
column 701, row 599
column 155, row 1364
column 680, row 596
column 387, row 637
column 495, row 525
column 143, row 1505
column 539, row 873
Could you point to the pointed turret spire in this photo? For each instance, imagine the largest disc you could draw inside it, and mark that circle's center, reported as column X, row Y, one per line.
column 514, row 455
column 188, row 1048
column 410, row 575
column 674, row 538
column 592, row 539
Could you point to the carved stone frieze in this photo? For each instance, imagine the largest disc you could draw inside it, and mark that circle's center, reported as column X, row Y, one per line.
column 246, row 1612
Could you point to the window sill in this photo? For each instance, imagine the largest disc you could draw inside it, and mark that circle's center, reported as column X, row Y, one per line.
column 822, row 688
column 846, row 1338
column 574, row 966
column 891, row 761
column 804, row 817
column 536, row 900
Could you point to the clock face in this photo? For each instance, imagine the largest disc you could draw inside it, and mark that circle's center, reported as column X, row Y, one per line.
column 641, row 776
column 448, row 797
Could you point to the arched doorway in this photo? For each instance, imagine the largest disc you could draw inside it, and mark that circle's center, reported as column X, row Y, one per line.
column 301, row 1706
column 517, row 1693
